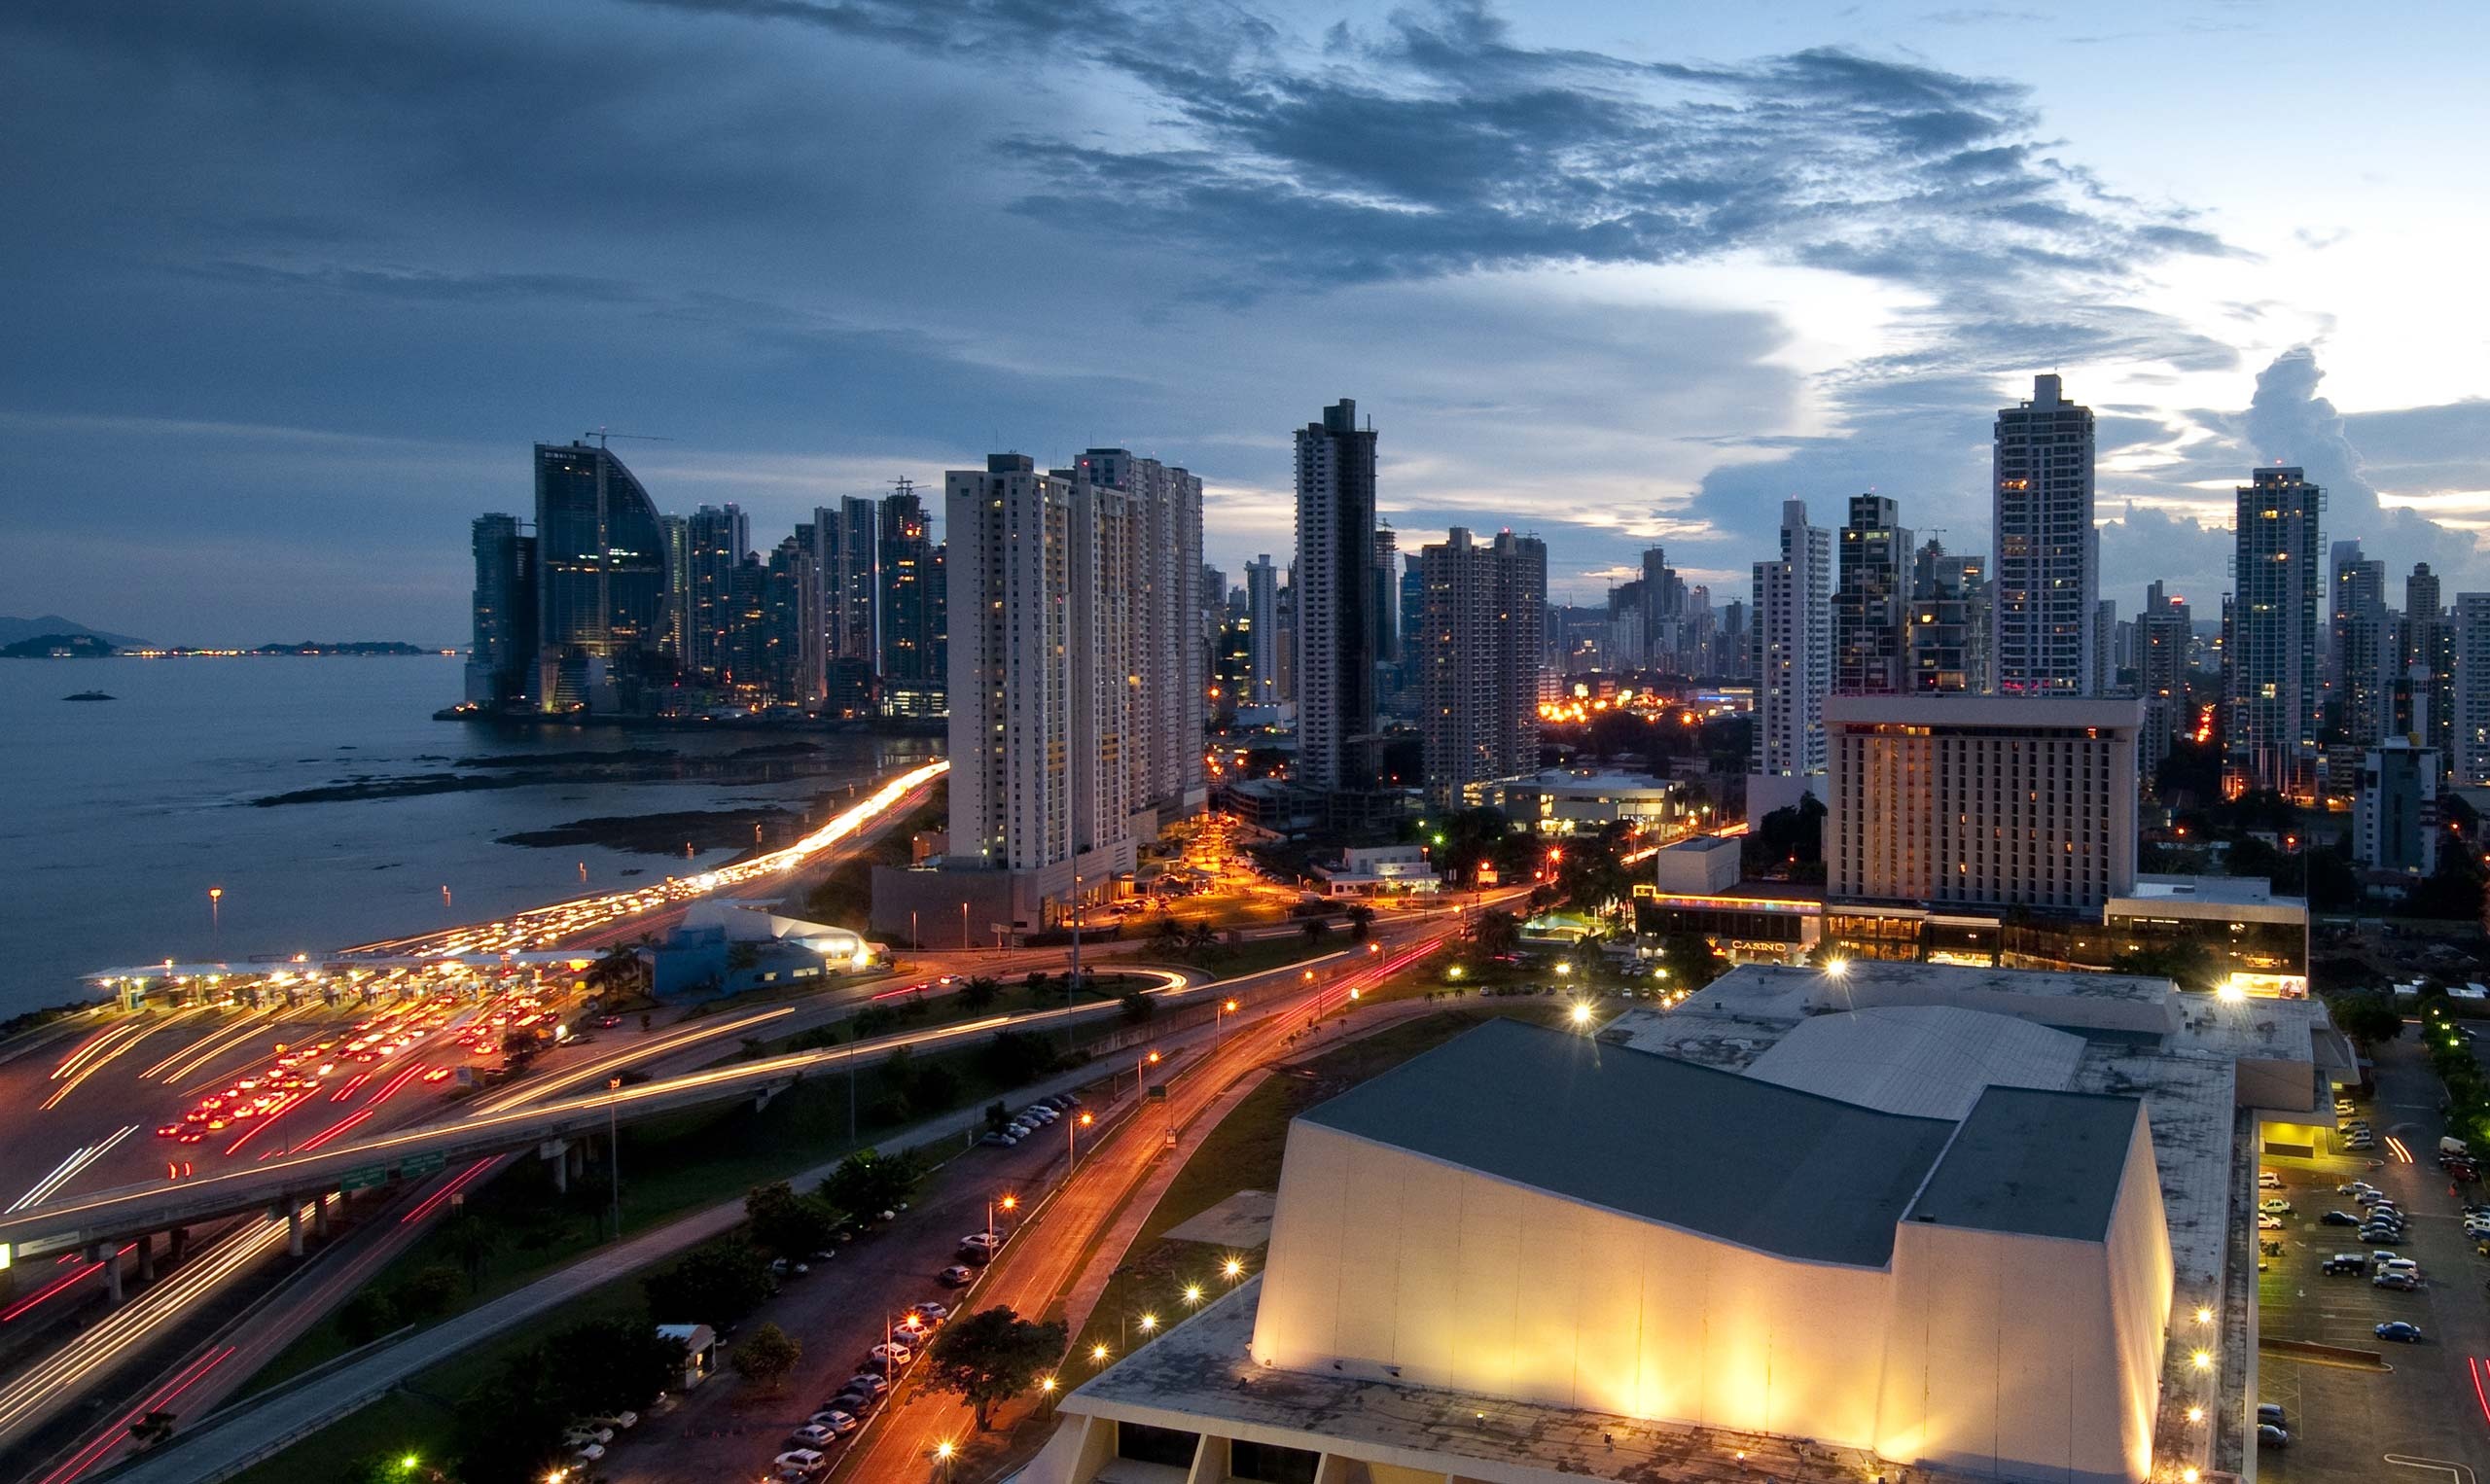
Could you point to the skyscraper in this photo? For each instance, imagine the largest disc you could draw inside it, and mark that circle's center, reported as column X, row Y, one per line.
column 2046, row 578
column 2427, row 709
column 1335, row 593
column 847, row 554
column 2359, row 663
column 600, row 577
column 790, row 671
column 1662, row 611
column 498, row 660
column 1794, row 654
column 1387, row 595
column 2470, row 725
column 1946, row 597
column 1163, row 565
column 1480, row 633
column 2163, row 634
column 1870, row 606
column 716, row 539
column 674, row 534
column 910, row 685
column 1052, row 669
column 1263, row 632
column 2270, row 674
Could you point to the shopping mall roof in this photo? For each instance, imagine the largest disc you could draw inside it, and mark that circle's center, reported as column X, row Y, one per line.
column 1741, row 1160
column 1930, row 1061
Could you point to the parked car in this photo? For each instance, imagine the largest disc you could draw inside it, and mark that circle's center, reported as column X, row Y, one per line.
column 2274, row 1205
column 2344, row 1262
column 868, row 1384
column 811, row 1435
column 1000, row 1140
column 891, row 1355
column 2393, row 1279
column 2377, row 1234
column 2353, row 1187
column 2338, row 1218
column 588, row 1453
column 853, row 1403
column 2268, row 1223
column 836, row 1419
column 584, row 1433
column 2270, row 1435
column 931, row 1312
column 2273, row 1412
column 799, row 1462
column 2267, row 1179
column 2370, row 1195
column 2403, row 1331
column 621, row 1422
column 956, row 1276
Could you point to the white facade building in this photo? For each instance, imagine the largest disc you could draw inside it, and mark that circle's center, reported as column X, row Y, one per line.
column 2471, row 729
column 1987, row 801
column 1794, row 648
column 2046, row 580
column 1160, row 603
column 1041, row 678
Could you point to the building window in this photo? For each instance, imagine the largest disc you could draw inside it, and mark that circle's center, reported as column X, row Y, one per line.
column 1272, row 1463
column 1145, row 1444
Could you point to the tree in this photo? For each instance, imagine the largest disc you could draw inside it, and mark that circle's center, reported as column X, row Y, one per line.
column 991, row 1357
column 612, row 1364
column 508, row 1427
column 716, row 1283
column 978, row 992
column 428, row 1292
column 1316, row 929
column 471, row 1242
column 618, row 974
column 1496, row 932
column 367, row 1316
column 1692, row 961
column 870, row 1181
column 1361, row 923
column 1138, row 1006
column 766, row 1355
column 2367, row 1019
column 1012, row 1058
column 151, row 1429
column 2183, row 962
column 789, row 1224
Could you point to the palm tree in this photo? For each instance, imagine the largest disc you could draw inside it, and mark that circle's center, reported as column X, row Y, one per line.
column 1316, row 929
column 471, row 1241
column 1361, row 923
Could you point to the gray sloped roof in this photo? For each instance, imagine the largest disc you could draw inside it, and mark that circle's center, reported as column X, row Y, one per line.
column 1933, row 1061
column 2041, row 1164
column 1767, row 1167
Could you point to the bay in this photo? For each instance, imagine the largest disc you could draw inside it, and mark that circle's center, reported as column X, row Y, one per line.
column 118, row 817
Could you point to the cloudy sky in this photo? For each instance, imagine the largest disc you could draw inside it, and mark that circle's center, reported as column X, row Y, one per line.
column 292, row 287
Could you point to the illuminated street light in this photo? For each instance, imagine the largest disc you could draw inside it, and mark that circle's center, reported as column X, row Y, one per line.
column 1098, row 1353
column 1232, row 1270
column 1149, row 1323
column 2204, row 1314
column 1046, row 1384
column 1193, row 1292
column 1837, row 967
column 1564, row 970
column 2197, row 1414
column 2202, row 1359
column 1581, row 1015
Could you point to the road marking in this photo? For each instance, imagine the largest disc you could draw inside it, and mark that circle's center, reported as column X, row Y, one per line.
column 2461, row 1473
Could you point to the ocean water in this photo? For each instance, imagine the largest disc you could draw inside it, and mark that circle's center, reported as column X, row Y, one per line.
column 117, row 818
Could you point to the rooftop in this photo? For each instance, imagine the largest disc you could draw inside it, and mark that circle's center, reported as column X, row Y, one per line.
column 1704, row 843
column 1747, row 1161
column 1200, row 1372
column 2034, row 1163
column 1928, row 1061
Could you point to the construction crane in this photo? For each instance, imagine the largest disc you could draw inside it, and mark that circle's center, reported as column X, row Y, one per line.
column 601, row 435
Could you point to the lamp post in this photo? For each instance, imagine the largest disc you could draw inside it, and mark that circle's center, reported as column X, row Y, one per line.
column 1140, row 1073
column 1219, row 1024
column 1008, row 1203
column 964, row 926
column 1069, row 1157
column 614, row 1152
column 216, row 917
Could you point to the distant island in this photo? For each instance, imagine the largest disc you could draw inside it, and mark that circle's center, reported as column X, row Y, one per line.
column 59, row 647
column 96, row 647
column 331, row 646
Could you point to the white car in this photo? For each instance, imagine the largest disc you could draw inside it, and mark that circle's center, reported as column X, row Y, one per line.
column 833, row 1420
column 590, row 1453
column 621, row 1422
column 892, row 1354
column 934, row 1313
column 811, row 1435
column 589, row 1433
column 799, row 1461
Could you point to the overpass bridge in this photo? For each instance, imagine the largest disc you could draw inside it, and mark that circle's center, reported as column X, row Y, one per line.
column 283, row 1186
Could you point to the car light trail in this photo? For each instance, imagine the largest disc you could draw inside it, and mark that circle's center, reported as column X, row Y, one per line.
column 97, row 1451
column 2395, row 1147
column 435, row 1201
column 60, row 1378
column 86, row 1051
column 387, row 1090
column 595, row 1067
column 210, row 1047
column 2479, row 1396
column 68, row 1169
column 83, row 1269
column 353, row 1084
column 94, row 1058
column 292, row 1102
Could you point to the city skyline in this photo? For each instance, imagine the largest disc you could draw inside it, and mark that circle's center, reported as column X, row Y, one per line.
column 1647, row 373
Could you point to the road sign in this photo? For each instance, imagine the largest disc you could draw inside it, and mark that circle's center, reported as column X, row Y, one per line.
column 1159, row 1092
column 368, row 1177
column 420, row 1164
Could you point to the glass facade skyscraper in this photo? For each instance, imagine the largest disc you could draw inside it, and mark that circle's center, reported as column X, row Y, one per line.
column 600, row 570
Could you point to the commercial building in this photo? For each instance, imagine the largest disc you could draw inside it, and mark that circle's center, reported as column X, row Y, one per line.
column 2425, row 692
column 1792, row 647
column 2163, row 636
column 1562, row 801
column 502, row 652
column 846, row 560
column 2048, row 573
column 2394, row 822
column 2270, row 675
column 2258, row 942
column 1987, row 801
column 1698, row 865
column 716, row 539
column 1479, row 636
column 2471, row 728
column 600, row 579
column 1334, row 595
column 2362, row 664
column 1872, row 605
column 1263, row 633
column 1959, row 1222
column 1948, row 623
column 912, row 621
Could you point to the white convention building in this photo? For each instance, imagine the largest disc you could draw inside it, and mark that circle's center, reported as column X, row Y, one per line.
column 1907, row 1229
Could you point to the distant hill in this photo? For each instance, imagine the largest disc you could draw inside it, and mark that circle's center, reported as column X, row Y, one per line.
column 52, row 645
column 17, row 630
column 345, row 647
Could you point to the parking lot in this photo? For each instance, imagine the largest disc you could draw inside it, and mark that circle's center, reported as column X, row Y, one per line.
column 2425, row 1414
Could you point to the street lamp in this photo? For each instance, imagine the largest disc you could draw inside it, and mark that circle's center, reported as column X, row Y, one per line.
column 1140, row 1073
column 614, row 1152
column 1580, row 1015
column 1008, row 1203
column 216, row 916
column 1192, row 1293
column 1219, row 1023
column 1098, row 1353
column 1232, row 1270
column 1069, row 1157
